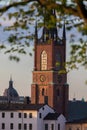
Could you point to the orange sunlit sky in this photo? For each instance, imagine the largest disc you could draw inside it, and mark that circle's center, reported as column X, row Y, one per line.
column 22, row 72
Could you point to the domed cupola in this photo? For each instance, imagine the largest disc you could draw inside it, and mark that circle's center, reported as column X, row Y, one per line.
column 11, row 92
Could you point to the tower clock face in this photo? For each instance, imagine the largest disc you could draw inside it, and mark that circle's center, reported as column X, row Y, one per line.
column 42, row 78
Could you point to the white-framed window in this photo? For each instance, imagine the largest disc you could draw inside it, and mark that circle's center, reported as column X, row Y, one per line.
column 58, row 126
column 30, row 115
column 11, row 114
column 3, row 126
column 30, row 126
column 46, row 126
column 52, row 126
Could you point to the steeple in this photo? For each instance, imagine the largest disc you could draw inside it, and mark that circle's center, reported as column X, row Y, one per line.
column 50, row 29
column 10, row 82
column 64, row 32
column 36, row 34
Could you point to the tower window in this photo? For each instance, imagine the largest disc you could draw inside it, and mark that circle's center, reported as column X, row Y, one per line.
column 46, row 99
column 44, row 60
column 43, row 92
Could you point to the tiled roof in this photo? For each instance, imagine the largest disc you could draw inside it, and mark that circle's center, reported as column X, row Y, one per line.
column 77, row 110
column 52, row 116
column 10, row 106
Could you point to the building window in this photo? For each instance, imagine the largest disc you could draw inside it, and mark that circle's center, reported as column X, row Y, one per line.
column 25, row 126
column 44, row 60
column 58, row 126
column 19, row 126
column 43, row 108
column 25, row 115
column 30, row 115
column 43, row 91
column 3, row 115
column 40, row 115
column 30, row 126
column 11, row 115
column 46, row 126
column 3, row 125
column 19, row 115
column 52, row 126
column 11, row 126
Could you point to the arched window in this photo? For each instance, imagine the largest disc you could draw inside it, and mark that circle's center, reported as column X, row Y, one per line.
column 44, row 60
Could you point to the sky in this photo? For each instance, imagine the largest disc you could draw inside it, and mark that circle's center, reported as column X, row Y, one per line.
column 22, row 72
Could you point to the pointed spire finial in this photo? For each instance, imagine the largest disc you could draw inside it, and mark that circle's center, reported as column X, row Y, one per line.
column 64, row 31
column 10, row 82
column 36, row 35
column 11, row 77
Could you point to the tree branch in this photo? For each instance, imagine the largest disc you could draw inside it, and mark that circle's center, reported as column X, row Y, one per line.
column 15, row 4
column 81, row 10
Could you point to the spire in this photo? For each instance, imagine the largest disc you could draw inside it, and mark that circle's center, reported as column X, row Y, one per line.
column 64, row 31
column 50, row 28
column 10, row 82
column 36, row 35
column 10, row 77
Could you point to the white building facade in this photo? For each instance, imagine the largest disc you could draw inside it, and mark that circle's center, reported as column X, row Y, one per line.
column 27, row 117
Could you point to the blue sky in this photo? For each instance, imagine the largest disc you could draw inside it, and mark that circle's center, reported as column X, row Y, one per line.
column 22, row 72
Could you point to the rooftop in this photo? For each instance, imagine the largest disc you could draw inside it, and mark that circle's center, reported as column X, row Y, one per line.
column 12, row 106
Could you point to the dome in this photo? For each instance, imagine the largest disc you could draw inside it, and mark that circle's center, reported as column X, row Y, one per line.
column 11, row 92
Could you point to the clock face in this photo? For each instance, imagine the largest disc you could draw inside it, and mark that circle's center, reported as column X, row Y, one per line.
column 42, row 78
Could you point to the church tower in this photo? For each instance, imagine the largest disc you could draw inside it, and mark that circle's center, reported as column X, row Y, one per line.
column 49, row 85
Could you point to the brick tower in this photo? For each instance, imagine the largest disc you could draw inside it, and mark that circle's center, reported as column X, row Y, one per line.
column 49, row 86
